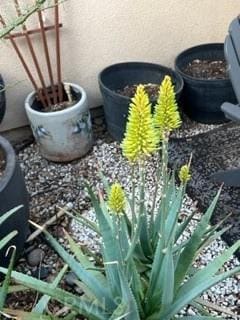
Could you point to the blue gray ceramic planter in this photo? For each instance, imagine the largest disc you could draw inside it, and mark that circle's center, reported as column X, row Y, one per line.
column 64, row 135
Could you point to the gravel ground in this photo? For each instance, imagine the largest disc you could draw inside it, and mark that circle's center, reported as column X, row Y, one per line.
column 51, row 185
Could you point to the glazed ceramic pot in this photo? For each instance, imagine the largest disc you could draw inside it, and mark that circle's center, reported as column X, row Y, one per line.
column 63, row 135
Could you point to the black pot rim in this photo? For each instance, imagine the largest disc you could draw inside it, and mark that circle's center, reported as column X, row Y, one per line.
column 137, row 63
column 189, row 50
column 10, row 162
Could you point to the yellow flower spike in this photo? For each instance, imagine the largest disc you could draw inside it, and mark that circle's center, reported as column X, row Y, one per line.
column 166, row 115
column 184, row 174
column 116, row 199
column 140, row 137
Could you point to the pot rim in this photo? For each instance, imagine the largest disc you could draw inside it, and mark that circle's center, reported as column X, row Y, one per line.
column 10, row 162
column 31, row 96
column 188, row 50
column 178, row 76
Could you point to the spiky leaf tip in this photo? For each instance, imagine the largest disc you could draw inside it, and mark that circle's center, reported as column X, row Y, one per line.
column 166, row 115
column 184, row 174
column 116, row 199
column 140, row 137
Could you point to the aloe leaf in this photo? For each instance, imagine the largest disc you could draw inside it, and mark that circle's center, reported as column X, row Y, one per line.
column 213, row 306
column 82, row 258
column 189, row 252
column 201, row 318
column 6, row 215
column 128, row 298
column 78, row 304
column 43, row 302
column 210, row 270
column 5, row 286
column 93, row 284
column 171, row 221
column 145, row 235
column 154, row 278
column 120, row 310
column 182, row 227
column 163, row 290
column 185, row 297
column 22, row 315
column 6, row 239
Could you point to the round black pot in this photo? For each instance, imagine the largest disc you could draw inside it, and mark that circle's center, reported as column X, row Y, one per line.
column 12, row 193
column 2, row 99
column 118, row 76
column 202, row 99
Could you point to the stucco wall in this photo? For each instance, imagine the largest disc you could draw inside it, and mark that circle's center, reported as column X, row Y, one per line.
column 97, row 33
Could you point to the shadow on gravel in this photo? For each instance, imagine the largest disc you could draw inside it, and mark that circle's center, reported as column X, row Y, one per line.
column 213, row 151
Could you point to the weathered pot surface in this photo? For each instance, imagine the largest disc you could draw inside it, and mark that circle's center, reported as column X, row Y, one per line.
column 64, row 135
column 12, row 194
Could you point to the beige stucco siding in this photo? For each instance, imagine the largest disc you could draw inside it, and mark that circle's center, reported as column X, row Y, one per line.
column 97, row 33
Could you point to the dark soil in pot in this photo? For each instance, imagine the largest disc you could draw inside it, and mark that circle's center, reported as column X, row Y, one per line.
column 151, row 89
column 207, row 69
column 206, row 84
column 70, row 98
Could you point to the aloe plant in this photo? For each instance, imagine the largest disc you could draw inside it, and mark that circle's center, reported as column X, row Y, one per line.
column 145, row 270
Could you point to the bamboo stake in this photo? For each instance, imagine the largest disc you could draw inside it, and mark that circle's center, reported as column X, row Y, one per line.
column 30, row 46
column 58, row 56
column 38, row 91
column 45, row 45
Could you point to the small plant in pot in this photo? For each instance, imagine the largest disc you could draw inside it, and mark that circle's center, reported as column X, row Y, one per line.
column 206, row 82
column 58, row 113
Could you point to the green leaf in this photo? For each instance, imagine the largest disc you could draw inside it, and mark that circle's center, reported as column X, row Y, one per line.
column 5, row 216
column 43, row 302
column 21, row 315
column 93, row 284
column 6, row 239
column 5, row 286
column 189, row 252
column 76, row 303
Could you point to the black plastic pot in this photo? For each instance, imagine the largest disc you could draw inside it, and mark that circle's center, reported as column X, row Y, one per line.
column 2, row 99
column 202, row 99
column 13, row 193
column 118, row 76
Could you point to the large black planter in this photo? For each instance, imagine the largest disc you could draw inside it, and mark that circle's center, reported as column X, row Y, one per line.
column 2, row 99
column 202, row 99
column 118, row 76
column 12, row 193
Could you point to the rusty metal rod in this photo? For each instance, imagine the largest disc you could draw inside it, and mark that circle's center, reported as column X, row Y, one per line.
column 27, row 70
column 58, row 55
column 31, row 49
column 30, row 32
column 45, row 46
